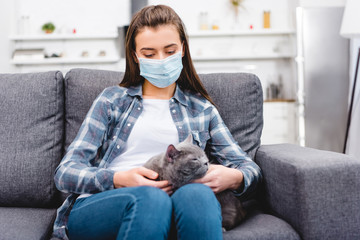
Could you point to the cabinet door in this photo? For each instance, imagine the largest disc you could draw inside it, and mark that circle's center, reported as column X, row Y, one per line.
column 279, row 123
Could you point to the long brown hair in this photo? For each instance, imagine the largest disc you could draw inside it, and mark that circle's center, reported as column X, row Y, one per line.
column 154, row 16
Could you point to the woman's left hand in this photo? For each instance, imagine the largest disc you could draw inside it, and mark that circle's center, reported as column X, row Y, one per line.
column 220, row 178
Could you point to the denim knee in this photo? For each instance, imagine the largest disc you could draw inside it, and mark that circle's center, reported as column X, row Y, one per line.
column 196, row 194
column 197, row 213
column 195, row 191
column 148, row 214
column 155, row 196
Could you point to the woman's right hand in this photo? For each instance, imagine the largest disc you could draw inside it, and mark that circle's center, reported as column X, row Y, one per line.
column 140, row 177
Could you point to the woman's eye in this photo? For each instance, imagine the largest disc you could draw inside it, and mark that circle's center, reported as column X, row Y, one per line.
column 148, row 55
column 171, row 52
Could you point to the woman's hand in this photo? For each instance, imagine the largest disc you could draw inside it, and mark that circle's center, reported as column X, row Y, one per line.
column 140, row 177
column 220, row 178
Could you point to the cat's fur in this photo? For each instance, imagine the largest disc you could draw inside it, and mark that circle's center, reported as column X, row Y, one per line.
column 186, row 162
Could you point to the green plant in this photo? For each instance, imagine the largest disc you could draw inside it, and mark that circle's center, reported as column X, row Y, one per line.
column 236, row 3
column 48, row 27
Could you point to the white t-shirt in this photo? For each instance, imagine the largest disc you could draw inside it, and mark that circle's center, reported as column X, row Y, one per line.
column 152, row 133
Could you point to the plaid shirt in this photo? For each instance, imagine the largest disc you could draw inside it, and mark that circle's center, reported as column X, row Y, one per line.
column 104, row 132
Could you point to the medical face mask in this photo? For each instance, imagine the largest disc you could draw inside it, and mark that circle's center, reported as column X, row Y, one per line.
column 161, row 72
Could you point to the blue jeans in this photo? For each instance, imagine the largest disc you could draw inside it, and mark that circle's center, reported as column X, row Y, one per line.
column 147, row 213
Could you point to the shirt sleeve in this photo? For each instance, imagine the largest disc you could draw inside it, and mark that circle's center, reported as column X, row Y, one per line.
column 77, row 172
column 225, row 150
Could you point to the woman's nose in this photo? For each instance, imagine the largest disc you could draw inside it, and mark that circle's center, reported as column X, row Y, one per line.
column 161, row 56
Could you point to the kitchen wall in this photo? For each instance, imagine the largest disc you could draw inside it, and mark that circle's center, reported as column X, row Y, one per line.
column 99, row 17
column 86, row 16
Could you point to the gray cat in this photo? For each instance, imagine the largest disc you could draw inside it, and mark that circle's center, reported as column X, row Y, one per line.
column 186, row 162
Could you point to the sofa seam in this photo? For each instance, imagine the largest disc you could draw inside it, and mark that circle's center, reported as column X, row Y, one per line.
column 54, row 130
column 66, row 103
column 256, row 114
column 259, row 112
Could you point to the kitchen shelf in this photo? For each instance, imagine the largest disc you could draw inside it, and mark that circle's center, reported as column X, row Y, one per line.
column 243, row 57
column 61, row 37
column 279, row 100
column 49, row 61
column 220, row 33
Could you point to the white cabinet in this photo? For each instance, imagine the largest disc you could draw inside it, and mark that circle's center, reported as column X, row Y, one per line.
column 279, row 122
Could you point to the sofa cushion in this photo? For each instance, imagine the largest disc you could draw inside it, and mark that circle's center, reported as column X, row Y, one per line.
column 262, row 226
column 233, row 93
column 31, row 137
column 26, row 223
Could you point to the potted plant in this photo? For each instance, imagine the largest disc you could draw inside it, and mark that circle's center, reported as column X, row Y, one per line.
column 48, row 27
column 236, row 4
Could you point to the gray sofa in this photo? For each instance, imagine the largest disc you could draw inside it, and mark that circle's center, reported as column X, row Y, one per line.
column 305, row 194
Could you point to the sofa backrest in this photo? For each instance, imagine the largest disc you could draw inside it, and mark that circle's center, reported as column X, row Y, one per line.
column 238, row 97
column 31, row 137
column 82, row 86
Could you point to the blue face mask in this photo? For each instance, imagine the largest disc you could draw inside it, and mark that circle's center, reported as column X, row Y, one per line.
column 161, row 73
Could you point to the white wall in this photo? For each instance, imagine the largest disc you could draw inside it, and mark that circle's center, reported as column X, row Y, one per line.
column 86, row 16
column 7, row 20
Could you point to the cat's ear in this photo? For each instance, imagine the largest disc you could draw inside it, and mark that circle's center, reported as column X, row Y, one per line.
column 171, row 152
column 189, row 139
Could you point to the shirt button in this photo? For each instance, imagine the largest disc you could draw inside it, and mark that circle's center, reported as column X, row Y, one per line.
column 172, row 100
column 114, row 137
column 139, row 108
column 118, row 146
column 180, row 127
column 174, row 111
column 129, row 124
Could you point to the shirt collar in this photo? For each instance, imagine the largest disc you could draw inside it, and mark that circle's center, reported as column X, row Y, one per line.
column 178, row 95
column 135, row 91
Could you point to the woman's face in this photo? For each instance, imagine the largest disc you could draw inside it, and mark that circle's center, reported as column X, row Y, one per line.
column 157, row 43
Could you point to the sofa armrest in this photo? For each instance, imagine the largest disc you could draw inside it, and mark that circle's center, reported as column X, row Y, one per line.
column 317, row 192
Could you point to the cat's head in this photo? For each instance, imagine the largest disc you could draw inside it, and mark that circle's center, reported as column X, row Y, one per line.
column 185, row 163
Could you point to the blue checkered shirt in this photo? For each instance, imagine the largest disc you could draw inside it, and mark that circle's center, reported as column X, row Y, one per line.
column 104, row 132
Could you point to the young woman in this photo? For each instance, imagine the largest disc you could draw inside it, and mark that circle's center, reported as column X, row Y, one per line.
column 160, row 101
